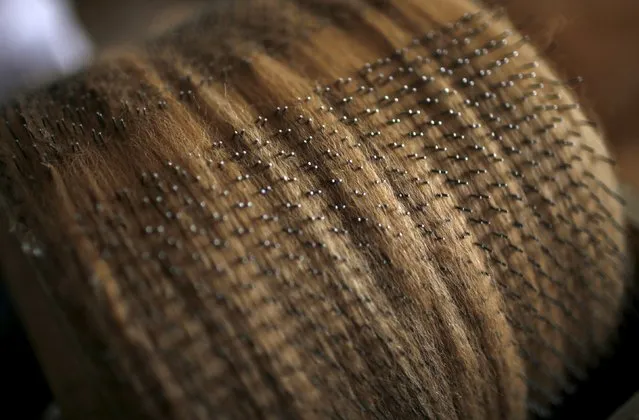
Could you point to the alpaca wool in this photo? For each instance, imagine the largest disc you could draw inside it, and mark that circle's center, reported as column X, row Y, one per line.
column 305, row 209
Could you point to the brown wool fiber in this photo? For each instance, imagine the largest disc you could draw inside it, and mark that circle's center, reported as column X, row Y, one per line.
column 313, row 209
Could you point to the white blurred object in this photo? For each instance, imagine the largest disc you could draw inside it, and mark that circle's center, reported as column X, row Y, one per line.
column 39, row 40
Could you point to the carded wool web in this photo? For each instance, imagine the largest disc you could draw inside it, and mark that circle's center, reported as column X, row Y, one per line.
column 255, row 216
